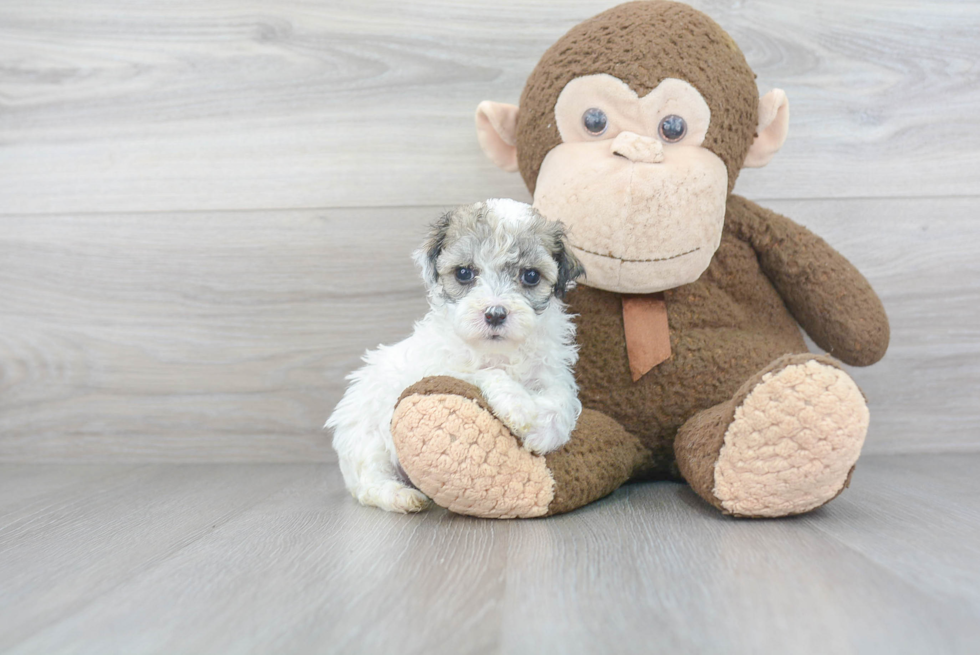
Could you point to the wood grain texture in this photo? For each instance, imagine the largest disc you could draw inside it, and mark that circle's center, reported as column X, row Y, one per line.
column 149, row 336
column 683, row 579
column 226, row 336
column 98, row 533
column 120, row 106
column 910, row 521
column 278, row 558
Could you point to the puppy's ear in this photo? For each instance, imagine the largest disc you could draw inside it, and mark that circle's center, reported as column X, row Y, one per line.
column 428, row 253
column 569, row 267
column 569, row 270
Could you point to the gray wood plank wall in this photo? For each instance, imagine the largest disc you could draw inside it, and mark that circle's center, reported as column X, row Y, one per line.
column 206, row 211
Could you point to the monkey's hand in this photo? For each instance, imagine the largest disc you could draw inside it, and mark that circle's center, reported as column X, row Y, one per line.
column 826, row 294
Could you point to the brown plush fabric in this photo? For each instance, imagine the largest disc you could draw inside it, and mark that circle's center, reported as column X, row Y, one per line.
column 638, row 43
column 725, row 327
column 444, row 384
column 699, row 440
column 600, row 457
column 697, row 445
column 826, row 294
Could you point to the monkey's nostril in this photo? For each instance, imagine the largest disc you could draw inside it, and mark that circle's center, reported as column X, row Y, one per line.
column 495, row 316
column 638, row 148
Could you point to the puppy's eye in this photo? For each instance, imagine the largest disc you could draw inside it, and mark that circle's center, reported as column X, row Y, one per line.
column 464, row 274
column 530, row 277
column 673, row 128
column 595, row 121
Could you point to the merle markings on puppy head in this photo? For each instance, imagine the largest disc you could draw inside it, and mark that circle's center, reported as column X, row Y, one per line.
column 500, row 245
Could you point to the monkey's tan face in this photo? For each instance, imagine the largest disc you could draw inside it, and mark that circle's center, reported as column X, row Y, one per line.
column 643, row 200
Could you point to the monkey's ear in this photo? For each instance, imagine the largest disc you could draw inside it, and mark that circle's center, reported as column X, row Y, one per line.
column 496, row 129
column 773, row 127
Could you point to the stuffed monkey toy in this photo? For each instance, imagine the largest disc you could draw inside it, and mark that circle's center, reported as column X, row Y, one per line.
column 632, row 130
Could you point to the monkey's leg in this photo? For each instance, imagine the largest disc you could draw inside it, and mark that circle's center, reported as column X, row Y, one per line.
column 785, row 444
column 460, row 455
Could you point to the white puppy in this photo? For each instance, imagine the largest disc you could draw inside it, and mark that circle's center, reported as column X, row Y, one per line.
column 496, row 274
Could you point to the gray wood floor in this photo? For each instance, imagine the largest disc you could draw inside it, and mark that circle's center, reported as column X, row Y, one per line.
column 277, row 558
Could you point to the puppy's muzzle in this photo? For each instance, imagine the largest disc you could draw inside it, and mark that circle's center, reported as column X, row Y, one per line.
column 495, row 316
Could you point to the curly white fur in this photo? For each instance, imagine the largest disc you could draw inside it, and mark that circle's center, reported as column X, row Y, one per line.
column 523, row 367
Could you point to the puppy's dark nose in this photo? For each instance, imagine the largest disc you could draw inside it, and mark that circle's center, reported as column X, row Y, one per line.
column 494, row 316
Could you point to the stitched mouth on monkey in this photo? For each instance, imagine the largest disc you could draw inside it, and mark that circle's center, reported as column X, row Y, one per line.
column 624, row 259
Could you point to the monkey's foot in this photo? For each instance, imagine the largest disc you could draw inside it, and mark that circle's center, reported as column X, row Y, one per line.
column 461, row 456
column 786, row 444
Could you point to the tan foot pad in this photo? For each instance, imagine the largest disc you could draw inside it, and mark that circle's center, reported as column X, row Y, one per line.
column 792, row 443
column 466, row 460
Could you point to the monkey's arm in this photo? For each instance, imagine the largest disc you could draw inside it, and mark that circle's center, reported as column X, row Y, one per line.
column 826, row 294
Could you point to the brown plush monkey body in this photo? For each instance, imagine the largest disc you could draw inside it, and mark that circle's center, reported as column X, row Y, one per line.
column 726, row 328
column 632, row 130
column 723, row 331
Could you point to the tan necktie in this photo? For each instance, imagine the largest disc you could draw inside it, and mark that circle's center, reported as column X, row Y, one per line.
column 647, row 333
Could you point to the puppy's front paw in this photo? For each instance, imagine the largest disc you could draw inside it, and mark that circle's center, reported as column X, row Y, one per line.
column 545, row 437
column 517, row 411
column 391, row 496
column 510, row 402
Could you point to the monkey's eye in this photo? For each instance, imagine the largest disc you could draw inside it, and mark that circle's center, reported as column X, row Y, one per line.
column 673, row 128
column 464, row 274
column 595, row 121
column 530, row 277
